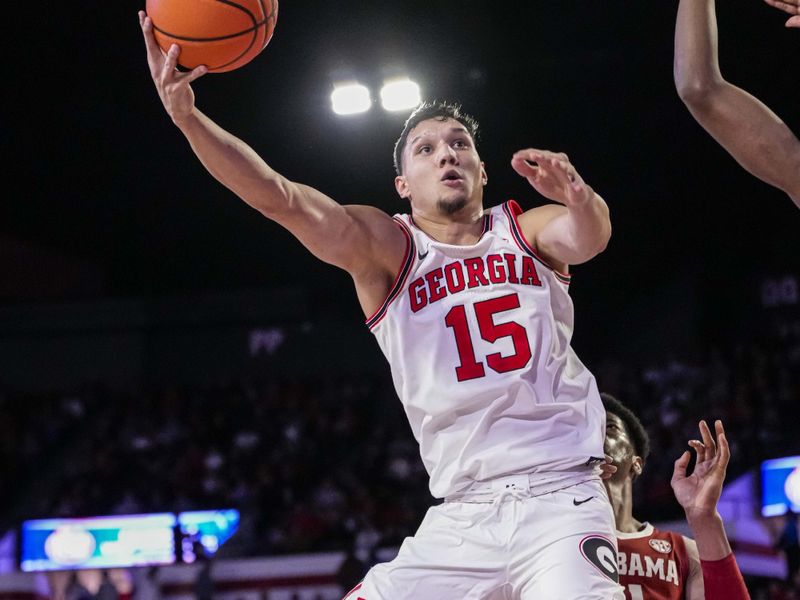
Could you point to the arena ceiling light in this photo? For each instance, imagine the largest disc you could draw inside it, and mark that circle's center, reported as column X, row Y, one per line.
column 350, row 98
column 400, row 94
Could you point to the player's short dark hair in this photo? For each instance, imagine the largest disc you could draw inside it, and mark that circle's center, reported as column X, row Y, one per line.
column 639, row 437
column 432, row 110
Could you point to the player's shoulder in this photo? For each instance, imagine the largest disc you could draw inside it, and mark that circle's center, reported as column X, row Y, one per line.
column 388, row 243
column 382, row 226
column 365, row 212
column 679, row 543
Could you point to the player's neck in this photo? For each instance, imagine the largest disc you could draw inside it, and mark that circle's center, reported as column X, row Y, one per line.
column 460, row 229
column 621, row 496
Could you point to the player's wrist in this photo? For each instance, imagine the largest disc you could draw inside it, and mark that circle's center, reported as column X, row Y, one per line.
column 703, row 519
column 184, row 121
column 588, row 201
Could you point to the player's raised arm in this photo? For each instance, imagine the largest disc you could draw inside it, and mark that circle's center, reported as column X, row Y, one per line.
column 699, row 495
column 360, row 239
column 755, row 136
column 570, row 234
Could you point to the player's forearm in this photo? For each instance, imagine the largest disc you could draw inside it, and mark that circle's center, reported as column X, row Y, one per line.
column 709, row 533
column 581, row 233
column 754, row 135
column 696, row 62
column 237, row 166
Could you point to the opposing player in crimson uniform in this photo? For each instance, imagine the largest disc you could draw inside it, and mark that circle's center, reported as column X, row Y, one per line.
column 471, row 308
column 664, row 565
column 653, row 564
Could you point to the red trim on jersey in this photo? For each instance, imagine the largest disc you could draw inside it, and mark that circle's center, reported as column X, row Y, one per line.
column 399, row 280
column 512, row 209
column 723, row 579
column 354, row 590
column 487, row 224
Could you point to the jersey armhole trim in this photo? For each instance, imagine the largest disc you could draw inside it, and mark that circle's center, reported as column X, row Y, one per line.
column 512, row 210
column 399, row 280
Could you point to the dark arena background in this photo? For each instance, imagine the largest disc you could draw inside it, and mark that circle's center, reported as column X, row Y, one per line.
column 165, row 349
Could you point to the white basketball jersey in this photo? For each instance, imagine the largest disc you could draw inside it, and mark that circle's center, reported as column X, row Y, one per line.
column 478, row 340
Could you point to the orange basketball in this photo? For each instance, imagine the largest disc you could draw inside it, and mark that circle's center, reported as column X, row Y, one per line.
column 221, row 34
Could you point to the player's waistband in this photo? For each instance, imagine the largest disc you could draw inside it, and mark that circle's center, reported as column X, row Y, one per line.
column 526, row 485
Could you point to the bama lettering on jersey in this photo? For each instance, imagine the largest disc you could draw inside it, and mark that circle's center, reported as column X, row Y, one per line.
column 653, row 565
column 478, row 340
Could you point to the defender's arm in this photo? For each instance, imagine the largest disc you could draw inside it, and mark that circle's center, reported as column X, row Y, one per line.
column 755, row 136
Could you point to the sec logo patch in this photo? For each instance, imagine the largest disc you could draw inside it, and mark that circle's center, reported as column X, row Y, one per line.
column 662, row 546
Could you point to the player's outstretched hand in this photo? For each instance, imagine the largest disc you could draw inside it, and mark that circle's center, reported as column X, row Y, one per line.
column 788, row 6
column 699, row 492
column 173, row 86
column 552, row 175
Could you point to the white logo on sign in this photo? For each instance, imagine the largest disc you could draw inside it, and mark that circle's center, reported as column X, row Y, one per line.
column 662, row 546
column 70, row 545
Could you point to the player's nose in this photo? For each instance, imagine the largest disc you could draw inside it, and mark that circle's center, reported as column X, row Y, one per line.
column 447, row 155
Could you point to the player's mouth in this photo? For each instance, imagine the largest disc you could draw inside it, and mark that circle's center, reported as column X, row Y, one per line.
column 452, row 178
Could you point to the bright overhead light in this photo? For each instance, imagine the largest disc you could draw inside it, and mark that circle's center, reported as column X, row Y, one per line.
column 400, row 94
column 350, row 99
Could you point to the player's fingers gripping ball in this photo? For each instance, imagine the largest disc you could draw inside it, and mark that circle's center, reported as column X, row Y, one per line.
column 223, row 35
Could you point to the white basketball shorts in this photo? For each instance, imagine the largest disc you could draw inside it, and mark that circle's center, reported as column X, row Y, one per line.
column 557, row 546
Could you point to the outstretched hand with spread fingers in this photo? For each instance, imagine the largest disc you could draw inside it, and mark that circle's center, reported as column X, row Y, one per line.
column 552, row 175
column 173, row 87
column 699, row 492
column 788, row 6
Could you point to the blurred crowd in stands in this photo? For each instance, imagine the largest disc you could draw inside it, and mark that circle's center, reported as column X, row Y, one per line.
column 329, row 463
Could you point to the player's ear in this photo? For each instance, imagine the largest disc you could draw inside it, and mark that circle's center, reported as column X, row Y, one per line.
column 637, row 466
column 484, row 176
column 401, row 185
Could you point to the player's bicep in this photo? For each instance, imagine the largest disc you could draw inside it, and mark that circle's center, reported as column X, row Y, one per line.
column 344, row 236
column 543, row 231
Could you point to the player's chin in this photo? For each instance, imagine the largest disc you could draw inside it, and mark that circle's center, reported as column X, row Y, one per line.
column 450, row 205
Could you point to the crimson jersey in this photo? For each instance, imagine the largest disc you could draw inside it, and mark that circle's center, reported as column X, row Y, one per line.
column 659, row 565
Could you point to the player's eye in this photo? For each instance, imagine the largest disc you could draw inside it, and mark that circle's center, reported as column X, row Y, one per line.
column 459, row 144
column 424, row 149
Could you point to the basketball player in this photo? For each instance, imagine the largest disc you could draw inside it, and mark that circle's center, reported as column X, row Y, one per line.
column 664, row 565
column 754, row 135
column 471, row 308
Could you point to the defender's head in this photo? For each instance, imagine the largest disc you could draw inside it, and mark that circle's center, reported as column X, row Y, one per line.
column 627, row 442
